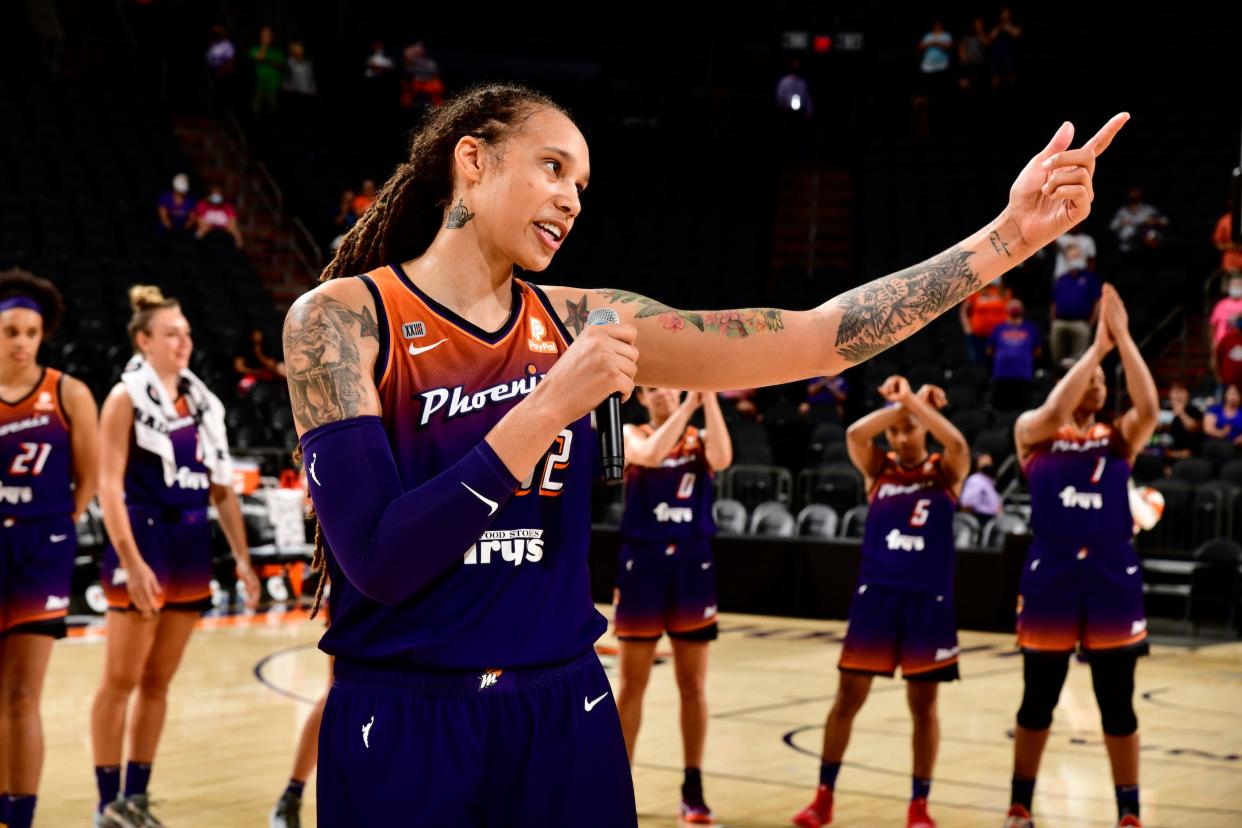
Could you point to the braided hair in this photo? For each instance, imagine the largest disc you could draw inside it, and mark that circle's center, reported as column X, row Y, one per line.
column 409, row 209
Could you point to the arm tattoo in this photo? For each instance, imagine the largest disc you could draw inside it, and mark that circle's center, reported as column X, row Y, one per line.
column 576, row 315
column 877, row 315
column 734, row 323
column 998, row 244
column 322, row 359
column 458, row 216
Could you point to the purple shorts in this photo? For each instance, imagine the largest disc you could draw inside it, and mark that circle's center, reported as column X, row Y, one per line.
column 666, row 586
column 533, row 747
column 890, row 627
column 36, row 574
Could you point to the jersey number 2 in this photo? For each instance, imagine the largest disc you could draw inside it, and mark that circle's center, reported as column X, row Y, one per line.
column 557, row 458
column 37, row 452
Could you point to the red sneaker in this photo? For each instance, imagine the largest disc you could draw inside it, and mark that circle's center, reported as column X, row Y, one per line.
column 1019, row 817
column 819, row 812
column 917, row 816
column 1129, row 821
column 695, row 813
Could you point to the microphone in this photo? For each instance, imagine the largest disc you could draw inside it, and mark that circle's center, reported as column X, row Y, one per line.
column 608, row 415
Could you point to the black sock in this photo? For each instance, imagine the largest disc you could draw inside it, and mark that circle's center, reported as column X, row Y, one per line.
column 1127, row 800
column 108, row 779
column 21, row 810
column 1023, row 791
column 296, row 786
column 137, row 776
column 692, row 784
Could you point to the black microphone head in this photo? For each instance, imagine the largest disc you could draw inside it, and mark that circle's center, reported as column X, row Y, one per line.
column 603, row 316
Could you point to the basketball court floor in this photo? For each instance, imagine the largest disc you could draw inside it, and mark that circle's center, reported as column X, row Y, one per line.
column 246, row 685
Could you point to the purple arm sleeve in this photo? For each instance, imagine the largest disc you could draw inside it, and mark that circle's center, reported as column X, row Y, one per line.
column 388, row 541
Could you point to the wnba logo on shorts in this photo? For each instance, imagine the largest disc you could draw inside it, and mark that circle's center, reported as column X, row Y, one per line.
column 413, row 330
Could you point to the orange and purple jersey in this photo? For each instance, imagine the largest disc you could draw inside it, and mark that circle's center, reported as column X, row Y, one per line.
column 908, row 539
column 1079, row 494
column 521, row 594
column 671, row 501
column 36, row 460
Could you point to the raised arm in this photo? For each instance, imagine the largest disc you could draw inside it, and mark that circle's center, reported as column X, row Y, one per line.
column 1041, row 424
column 860, row 437
column 651, row 449
column 1139, row 422
column 926, row 405
column 365, row 510
column 717, row 444
column 718, row 350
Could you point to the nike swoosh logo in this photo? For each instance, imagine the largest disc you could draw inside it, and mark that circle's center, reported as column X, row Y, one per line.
column 590, row 705
column 491, row 504
column 416, row 351
column 57, row 538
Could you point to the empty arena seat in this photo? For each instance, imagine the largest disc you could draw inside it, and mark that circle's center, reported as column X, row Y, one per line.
column 751, row 485
column 1193, row 470
column 996, row 528
column 817, row 520
column 1147, row 468
column 772, row 518
column 839, row 485
column 1232, row 472
column 730, row 516
column 1218, row 452
column 965, row 530
column 854, row 522
column 971, row 422
column 1215, row 583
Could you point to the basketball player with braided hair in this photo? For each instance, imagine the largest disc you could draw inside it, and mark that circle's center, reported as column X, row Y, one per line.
column 163, row 459
column 442, row 408
column 47, row 471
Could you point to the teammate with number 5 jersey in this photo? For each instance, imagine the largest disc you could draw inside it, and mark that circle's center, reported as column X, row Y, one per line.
column 902, row 612
column 665, row 575
column 1082, row 585
column 47, row 478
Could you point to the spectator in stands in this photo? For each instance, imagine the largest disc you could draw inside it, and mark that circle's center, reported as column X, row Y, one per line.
column 301, row 79
column 365, row 198
column 1005, row 37
column 1139, row 226
column 825, row 399
column 269, row 71
column 1179, row 431
column 793, row 94
column 254, row 364
column 1224, row 420
column 979, row 494
column 1075, row 305
column 982, row 311
column 220, row 53
column 743, row 401
column 421, row 85
column 345, row 216
column 176, row 207
column 379, row 75
column 1075, row 251
column 1226, row 310
column 972, row 56
column 1014, row 345
column 1222, row 237
column 935, row 50
column 1229, row 355
column 215, row 215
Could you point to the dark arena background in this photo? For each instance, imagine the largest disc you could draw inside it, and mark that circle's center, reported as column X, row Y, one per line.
column 773, row 155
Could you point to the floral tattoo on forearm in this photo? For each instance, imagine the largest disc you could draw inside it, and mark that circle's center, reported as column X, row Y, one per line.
column 734, row 323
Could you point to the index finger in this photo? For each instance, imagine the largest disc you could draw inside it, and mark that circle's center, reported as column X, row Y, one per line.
column 1100, row 141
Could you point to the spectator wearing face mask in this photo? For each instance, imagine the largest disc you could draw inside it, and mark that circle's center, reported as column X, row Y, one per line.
column 176, row 207
column 215, row 215
column 982, row 311
column 1138, row 225
column 1180, row 430
column 1014, row 346
column 1224, row 420
column 979, row 493
column 1075, row 251
column 1226, row 310
column 1075, row 304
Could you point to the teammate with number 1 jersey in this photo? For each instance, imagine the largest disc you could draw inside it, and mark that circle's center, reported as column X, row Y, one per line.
column 1082, row 585
column 902, row 612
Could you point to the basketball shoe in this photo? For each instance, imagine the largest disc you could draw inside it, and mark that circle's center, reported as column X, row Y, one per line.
column 133, row 811
column 287, row 813
column 819, row 812
column 1019, row 817
column 1129, row 821
column 916, row 816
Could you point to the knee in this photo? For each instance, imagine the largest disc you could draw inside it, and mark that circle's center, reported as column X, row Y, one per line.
column 691, row 686
column 21, row 701
column 633, row 683
column 923, row 708
column 154, row 685
column 848, row 702
column 118, row 684
column 1118, row 719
